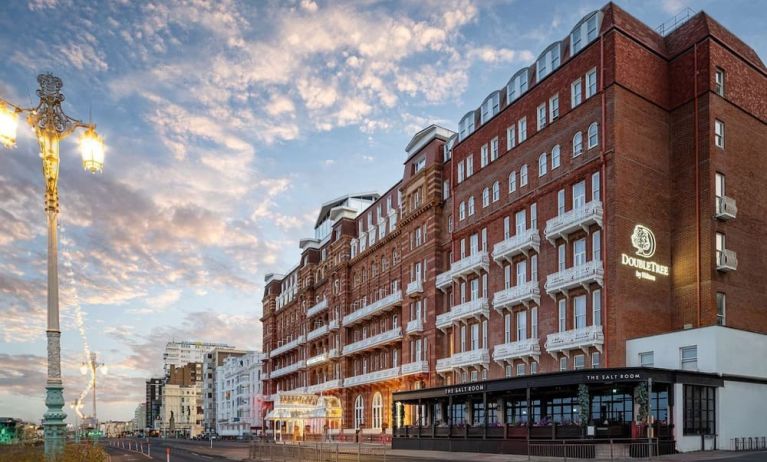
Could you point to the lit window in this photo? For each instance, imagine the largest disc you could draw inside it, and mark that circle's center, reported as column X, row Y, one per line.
column 512, row 182
column 555, row 161
column 577, row 144
column 553, row 108
column 523, row 175
column 575, row 93
column 522, row 125
column 647, row 359
column 542, row 164
column 541, row 116
column 591, row 83
column 510, row 137
column 719, row 81
column 689, row 357
column 719, row 133
column 593, row 135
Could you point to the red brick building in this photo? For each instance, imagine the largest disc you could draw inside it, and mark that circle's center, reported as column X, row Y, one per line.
column 607, row 192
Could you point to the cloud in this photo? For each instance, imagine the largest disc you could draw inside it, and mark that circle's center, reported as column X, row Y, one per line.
column 493, row 55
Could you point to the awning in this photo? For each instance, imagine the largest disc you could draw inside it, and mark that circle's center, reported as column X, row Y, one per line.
column 305, row 407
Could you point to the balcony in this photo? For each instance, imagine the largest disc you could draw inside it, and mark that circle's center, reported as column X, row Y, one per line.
column 523, row 294
column 372, row 377
column 471, row 309
column 726, row 260
column 577, row 276
column 317, row 308
column 726, row 209
column 522, row 349
column 470, row 265
column 465, row 360
column 583, row 338
column 444, row 280
column 318, row 332
column 296, row 391
column 414, row 288
column 579, row 218
column 288, row 346
column 416, row 367
column 414, row 327
column 333, row 324
column 322, row 358
column 375, row 341
column 521, row 243
column 368, row 311
column 295, row 367
column 324, row 386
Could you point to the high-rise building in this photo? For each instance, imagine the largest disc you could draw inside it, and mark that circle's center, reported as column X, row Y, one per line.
column 153, row 401
column 517, row 281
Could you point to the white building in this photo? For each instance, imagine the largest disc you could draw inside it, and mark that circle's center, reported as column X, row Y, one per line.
column 181, row 410
column 214, row 359
column 180, row 353
column 711, row 416
column 139, row 417
column 239, row 395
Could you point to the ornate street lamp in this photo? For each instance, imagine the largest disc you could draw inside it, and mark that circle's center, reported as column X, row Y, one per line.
column 51, row 125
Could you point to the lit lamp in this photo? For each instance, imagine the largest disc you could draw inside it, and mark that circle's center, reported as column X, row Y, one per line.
column 51, row 125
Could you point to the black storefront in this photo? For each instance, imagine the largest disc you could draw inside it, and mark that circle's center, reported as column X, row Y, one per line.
column 505, row 415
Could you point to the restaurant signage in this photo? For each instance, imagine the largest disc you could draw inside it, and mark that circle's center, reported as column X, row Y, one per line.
column 471, row 388
column 614, row 377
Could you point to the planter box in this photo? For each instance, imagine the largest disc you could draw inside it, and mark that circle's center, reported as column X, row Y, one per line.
column 476, row 432
column 546, row 432
column 518, row 431
column 495, row 432
column 441, row 432
column 569, row 432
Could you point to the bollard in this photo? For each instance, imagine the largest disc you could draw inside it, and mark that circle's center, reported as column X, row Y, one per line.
column 149, row 450
column 167, row 454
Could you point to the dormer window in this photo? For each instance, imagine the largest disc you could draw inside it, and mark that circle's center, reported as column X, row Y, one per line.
column 490, row 107
column 517, row 86
column 585, row 32
column 548, row 62
column 419, row 164
column 466, row 126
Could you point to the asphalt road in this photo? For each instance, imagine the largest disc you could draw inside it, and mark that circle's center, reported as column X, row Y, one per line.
column 182, row 451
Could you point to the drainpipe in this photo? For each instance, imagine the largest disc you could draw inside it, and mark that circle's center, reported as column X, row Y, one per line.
column 603, row 189
column 697, row 182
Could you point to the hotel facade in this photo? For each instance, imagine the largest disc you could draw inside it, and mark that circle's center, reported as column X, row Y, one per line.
column 516, row 281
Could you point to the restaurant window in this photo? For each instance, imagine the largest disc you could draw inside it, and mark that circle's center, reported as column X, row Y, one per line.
column 492, row 412
column 359, row 411
column 699, row 410
column 517, row 412
column 613, row 406
column 456, row 414
column 478, row 412
column 377, row 410
column 689, row 357
column 563, row 410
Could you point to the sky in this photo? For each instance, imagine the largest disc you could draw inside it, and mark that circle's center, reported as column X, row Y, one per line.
column 227, row 125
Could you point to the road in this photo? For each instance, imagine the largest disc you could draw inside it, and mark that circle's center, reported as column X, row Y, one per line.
column 183, row 451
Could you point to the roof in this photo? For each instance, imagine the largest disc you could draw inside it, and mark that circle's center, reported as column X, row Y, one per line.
column 327, row 206
column 423, row 138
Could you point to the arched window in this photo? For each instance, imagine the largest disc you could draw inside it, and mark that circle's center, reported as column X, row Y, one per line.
column 485, row 197
column 542, row 164
column 593, row 135
column 496, row 191
column 577, row 144
column 359, row 411
column 471, row 206
column 512, row 181
column 555, row 157
column 377, row 410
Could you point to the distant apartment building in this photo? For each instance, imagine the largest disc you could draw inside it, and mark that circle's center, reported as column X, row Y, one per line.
column 180, row 353
column 153, row 402
column 139, row 418
column 181, row 409
column 212, row 360
column 239, row 401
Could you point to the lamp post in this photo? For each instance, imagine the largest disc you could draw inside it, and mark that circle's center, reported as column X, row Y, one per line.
column 51, row 125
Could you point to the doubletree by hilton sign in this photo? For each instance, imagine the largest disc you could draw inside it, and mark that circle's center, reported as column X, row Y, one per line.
column 643, row 241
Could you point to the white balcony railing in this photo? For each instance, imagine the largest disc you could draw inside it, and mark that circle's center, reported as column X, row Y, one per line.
column 726, row 208
column 520, row 243
column 374, row 341
column 317, row 308
column 444, row 280
column 473, row 358
column 522, row 294
column 295, row 367
column 578, row 218
column 296, row 391
column 414, row 288
column 469, row 265
column 374, row 308
column 583, row 338
column 471, row 309
column 414, row 326
column 577, row 276
column 325, row 386
column 333, row 324
column 522, row 349
column 726, row 260
column 322, row 358
column 371, row 377
column 318, row 332
column 288, row 346
column 416, row 367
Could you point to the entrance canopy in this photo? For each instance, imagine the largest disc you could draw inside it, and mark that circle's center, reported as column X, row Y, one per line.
column 295, row 407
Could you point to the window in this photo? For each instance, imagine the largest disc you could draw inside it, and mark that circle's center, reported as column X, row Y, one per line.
column 563, row 363
column 579, row 362
column 555, row 161
column 466, row 126
column 533, row 368
column 542, row 164
column 520, row 222
column 579, row 252
column 521, row 325
column 596, row 186
column 548, row 62
column 483, row 156
column 520, row 369
column 580, row 311
column 561, row 257
column 647, row 359
column 596, row 246
column 577, row 144
column 719, row 190
column 377, row 410
column 720, row 246
column 510, row 137
column 521, row 273
column 534, row 322
column 576, row 94
column 494, row 149
column 719, row 81
column 596, row 358
column 496, row 191
column 512, row 182
column 689, row 357
column 474, row 335
column 419, row 165
column 522, row 126
column 507, row 276
column 470, row 165
column 471, row 206
column 699, row 410
column 584, row 33
column 560, row 202
column 359, row 412
column 596, row 307
column 523, row 175
column 541, row 116
column 534, row 268
column 485, row 197
column 517, row 86
column 460, row 171
column 462, row 211
column 534, row 216
column 719, row 133
column 508, row 370
column 490, row 107
column 507, row 328
column 579, row 194
column 445, row 189
column 593, row 135
column 721, row 308
column 562, row 315
column 553, row 108
column 591, row 83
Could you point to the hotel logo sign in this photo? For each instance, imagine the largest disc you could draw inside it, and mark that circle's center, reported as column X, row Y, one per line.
column 465, row 389
column 643, row 240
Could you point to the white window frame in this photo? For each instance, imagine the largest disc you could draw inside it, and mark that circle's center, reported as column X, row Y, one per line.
column 485, row 197
column 719, row 133
column 522, row 127
column 496, row 191
column 541, row 119
column 553, row 108
column 542, row 164
column 591, row 83
column 562, row 315
column 555, row 157
column 593, row 135
column 523, row 176
column 511, row 137
column 494, row 149
column 719, row 81
column 484, row 156
column 576, row 93
column 577, row 144
column 512, row 181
